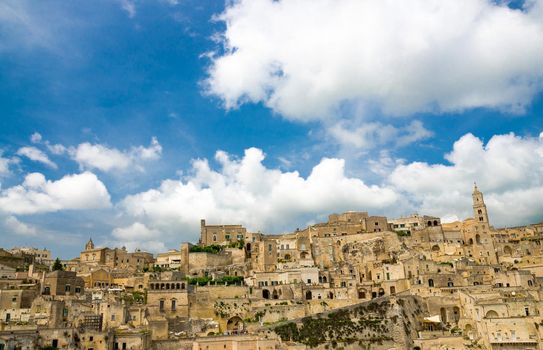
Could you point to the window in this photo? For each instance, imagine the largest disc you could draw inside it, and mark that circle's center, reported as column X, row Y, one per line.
column 161, row 305
column 270, row 248
column 173, row 304
column 113, row 317
column 227, row 237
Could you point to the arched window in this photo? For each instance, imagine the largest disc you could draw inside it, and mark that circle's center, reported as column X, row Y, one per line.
column 491, row 314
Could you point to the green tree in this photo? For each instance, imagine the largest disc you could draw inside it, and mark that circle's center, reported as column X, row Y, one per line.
column 57, row 266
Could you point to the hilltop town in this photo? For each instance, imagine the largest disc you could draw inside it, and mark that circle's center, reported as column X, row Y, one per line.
column 356, row 281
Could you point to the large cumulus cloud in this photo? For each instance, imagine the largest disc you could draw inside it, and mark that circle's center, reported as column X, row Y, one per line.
column 306, row 59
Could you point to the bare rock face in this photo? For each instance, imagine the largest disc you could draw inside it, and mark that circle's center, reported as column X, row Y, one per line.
column 363, row 251
column 386, row 323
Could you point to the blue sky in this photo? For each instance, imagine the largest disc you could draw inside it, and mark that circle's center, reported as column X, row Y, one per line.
column 393, row 116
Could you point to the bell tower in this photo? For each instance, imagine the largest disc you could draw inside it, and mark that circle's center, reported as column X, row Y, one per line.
column 480, row 213
column 89, row 245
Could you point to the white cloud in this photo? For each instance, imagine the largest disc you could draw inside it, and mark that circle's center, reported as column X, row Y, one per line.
column 509, row 169
column 38, row 195
column 306, row 59
column 97, row 156
column 373, row 134
column 4, row 165
column 36, row 155
column 36, row 137
column 138, row 236
column 12, row 225
column 246, row 191
column 129, row 7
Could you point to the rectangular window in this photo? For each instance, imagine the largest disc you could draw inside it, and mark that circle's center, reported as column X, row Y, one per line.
column 161, row 305
column 173, row 305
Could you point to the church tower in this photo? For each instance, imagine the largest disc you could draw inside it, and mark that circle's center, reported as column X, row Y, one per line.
column 479, row 208
column 89, row 245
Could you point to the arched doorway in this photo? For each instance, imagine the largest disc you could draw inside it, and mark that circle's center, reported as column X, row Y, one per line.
column 468, row 331
column 234, row 324
column 430, row 282
column 478, row 238
column 381, row 292
column 435, row 248
column 443, row 314
column 456, row 314
column 308, row 295
column 275, row 294
column 265, row 294
column 392, row 290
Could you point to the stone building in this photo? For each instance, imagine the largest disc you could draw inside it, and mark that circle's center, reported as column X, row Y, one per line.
column 63, row 283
